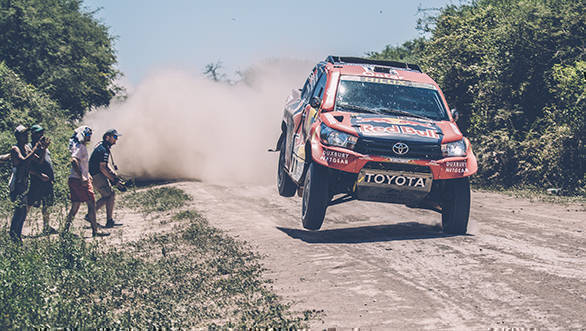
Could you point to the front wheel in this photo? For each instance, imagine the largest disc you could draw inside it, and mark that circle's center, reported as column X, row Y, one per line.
column 456, row 206
column 315, row 197
column 285, row 184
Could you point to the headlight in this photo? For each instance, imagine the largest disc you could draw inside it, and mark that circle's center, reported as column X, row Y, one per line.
column 456, row 148
column 333, row 137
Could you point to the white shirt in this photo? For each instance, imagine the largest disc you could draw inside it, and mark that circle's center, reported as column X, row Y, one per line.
column 79, row 151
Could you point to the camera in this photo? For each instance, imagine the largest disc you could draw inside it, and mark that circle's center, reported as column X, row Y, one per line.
column 120, row 184
column 44, row 141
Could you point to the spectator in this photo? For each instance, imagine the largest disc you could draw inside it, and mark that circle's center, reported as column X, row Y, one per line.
column 80, row 181
column 42, row 177
column 104, row 177
column 21, row 155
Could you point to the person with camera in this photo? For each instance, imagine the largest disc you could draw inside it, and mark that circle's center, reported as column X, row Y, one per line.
column 21, row 155
column 80, row 181
column 42, row 177
column 104, row 176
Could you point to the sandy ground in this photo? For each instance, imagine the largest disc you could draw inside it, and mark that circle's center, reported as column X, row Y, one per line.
column 382, row 266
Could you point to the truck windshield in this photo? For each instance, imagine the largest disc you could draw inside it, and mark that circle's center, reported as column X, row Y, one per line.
column 389, row 96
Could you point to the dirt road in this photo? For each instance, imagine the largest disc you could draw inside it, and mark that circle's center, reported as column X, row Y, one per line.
column 385, row 266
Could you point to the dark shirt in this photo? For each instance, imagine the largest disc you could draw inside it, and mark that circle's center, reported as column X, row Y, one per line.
column 45, row 166
column 100, row 154
column 21, row 171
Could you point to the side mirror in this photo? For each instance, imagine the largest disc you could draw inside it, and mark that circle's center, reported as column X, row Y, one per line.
column 455, row 115
column 315, row 102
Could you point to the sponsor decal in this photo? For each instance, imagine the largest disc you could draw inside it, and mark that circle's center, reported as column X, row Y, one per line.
column 384, row 179
column 383, row 78
column 311, row 115
column 387, row 78
column 335, row 157
column 456, row 166
column 372, row 130
column 392, row 120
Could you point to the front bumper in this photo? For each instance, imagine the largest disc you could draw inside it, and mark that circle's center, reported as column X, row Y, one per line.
column 352, row 162
column 391, row 179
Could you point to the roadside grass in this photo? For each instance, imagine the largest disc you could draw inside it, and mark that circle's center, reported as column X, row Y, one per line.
column 533, row 194
column 194, row 276
column 156, row 199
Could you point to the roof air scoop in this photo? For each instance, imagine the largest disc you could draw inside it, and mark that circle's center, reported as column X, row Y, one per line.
column 384, row 70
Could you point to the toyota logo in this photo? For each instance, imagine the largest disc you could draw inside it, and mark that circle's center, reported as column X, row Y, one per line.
column 400, row 148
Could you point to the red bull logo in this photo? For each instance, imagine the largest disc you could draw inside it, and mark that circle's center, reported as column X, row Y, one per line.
column 371, row 130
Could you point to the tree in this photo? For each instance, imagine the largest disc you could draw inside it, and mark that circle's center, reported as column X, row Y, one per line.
column 515, row 71
column 61, row 50
column 212, row 71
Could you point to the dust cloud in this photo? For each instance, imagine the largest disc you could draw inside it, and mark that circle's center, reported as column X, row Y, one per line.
column 177, row 125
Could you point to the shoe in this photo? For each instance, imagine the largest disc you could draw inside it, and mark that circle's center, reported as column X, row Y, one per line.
column 87, row 218
column 49, row 231
column 100, row 234
column 111, row 223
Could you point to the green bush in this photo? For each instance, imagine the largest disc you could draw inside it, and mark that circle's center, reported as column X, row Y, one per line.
column 62, row 50
column 515, row 71
column 22, row 103
column 194, row 277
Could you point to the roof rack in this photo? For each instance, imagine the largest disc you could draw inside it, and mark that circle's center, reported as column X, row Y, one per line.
column 357, row 60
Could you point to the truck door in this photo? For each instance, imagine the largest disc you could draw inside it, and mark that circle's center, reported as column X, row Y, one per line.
column 306, row 118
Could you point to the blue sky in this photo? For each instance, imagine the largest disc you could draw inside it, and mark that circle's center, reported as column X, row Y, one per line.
column 189, row 34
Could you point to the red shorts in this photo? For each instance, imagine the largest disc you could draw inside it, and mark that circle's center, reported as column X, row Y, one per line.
column 80, row 193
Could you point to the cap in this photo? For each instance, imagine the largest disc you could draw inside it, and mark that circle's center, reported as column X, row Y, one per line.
column 112, row 132
column 20, row 129
column 37, row 128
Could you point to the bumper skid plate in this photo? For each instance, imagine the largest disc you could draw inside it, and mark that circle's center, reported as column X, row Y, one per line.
column 392, row 186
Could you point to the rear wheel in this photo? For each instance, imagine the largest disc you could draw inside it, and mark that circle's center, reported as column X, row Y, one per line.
column 315, row 197
column 456, row 206
column 285, row 184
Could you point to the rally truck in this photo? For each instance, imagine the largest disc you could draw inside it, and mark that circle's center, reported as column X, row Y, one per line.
column 376, row 131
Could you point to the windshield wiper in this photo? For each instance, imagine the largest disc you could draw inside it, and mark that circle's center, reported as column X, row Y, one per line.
column 400, row 112
column 357, row 108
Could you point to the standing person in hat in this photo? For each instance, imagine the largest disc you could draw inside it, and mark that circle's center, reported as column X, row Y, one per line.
column 103, row 176
column 80, row 181
column 42, row 177
column 21, row 155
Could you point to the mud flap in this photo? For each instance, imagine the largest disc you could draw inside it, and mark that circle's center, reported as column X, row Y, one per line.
column 278, row 147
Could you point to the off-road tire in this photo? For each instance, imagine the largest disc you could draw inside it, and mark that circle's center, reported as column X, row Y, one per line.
column 315, row 197
column 285, row 184
column 456, row 206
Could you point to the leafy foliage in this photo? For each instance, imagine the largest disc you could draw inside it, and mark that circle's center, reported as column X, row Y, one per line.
column 515, row 72
column 196, row 276
column 61, row 50
column 22, row 103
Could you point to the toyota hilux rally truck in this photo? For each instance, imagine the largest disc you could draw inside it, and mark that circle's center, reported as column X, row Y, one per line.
column 376, row 131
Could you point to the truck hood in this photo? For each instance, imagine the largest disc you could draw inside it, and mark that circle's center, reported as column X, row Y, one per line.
column 393, row 127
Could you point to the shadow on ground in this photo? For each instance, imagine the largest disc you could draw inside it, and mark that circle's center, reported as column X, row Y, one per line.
column 364, row 234
column 151, row 182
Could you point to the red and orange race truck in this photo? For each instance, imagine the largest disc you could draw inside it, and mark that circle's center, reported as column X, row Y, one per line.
column 377, row 131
